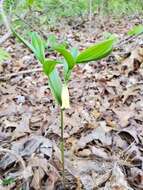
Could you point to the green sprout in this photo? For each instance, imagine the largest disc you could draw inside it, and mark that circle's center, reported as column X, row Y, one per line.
column 7, row 181
column 59, row 88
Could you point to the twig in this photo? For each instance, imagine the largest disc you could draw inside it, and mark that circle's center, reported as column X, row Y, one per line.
column 8, row 76
column 127, row 40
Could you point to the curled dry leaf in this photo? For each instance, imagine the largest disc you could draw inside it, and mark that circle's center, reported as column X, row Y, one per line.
column 130, row 134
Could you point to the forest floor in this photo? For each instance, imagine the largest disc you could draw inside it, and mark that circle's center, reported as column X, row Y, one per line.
column 103, row 129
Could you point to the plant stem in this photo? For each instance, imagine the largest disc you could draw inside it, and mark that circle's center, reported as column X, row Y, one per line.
column 62, row 145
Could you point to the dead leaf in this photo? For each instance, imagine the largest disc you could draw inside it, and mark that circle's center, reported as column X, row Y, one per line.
column 100, row 133
column 99, row 152
column 117, row 180
column 37, row 177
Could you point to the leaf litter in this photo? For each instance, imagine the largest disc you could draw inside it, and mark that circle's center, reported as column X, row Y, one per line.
column 103, row 130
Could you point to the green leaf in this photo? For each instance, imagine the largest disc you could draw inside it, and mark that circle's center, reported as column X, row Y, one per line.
column 67, row 55
column 55, row 86
column 39, row 46
column 67, row 71
column 96, row 52
column 4, row 55
column 49, row 65
column 136, row 30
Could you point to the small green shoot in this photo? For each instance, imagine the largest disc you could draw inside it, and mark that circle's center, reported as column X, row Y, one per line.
column 7, row 181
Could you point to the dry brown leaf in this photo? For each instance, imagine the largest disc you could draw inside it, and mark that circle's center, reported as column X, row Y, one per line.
column 99, row 152
column 124, row 114
column 131, row 91
column 117, row 180
column 100, row 179
column 136, row 177
column 41, row 167
column 37, row 177
column 87, row 182
column 134, row 61
column 100, row 133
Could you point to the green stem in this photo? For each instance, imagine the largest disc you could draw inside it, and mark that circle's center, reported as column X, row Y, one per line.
column 62, row 145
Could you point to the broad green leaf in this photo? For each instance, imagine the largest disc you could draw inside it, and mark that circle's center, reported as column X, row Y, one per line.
column 67, row 71
column 39, row 46
column 136, row 30
column 48, row 66
column 96, row 52
column 55, row 86
column 67, row 55
column 4, row 55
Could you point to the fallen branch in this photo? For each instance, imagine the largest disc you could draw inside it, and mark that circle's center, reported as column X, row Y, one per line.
column 8, row 76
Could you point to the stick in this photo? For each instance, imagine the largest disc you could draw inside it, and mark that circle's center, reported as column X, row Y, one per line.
column 127, row 40
column 8, row 76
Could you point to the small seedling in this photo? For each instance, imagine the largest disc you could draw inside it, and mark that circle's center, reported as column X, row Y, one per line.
column 72, row 58
column 7, row 181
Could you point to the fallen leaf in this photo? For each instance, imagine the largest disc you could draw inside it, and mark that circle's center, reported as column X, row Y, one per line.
column 117, row 180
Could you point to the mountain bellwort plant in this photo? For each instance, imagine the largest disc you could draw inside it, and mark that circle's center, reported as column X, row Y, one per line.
column 59, row 87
